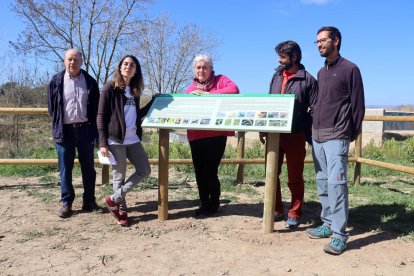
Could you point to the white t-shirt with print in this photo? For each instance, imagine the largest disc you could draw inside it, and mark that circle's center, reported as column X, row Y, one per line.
column 130, row 113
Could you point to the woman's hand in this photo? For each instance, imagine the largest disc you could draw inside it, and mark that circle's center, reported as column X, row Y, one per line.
column 199, row 92
column 262, row 137
column 104, row 151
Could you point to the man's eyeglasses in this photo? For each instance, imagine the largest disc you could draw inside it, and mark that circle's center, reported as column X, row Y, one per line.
column 321, row 41
column 73, row 59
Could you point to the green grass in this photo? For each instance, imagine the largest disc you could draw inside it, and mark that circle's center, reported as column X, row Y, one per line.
column 49, row 179
column 30, row 236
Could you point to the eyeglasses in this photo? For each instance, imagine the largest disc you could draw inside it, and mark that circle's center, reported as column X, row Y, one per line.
column 321, row 41
column 73, row 59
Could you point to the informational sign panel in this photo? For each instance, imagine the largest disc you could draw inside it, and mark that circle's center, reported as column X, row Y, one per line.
column 239, row 112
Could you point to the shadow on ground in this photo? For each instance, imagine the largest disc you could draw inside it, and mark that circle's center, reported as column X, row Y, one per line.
column 382, row 221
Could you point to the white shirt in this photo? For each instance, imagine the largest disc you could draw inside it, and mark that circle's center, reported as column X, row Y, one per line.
column 75, row 99
column 130, row 114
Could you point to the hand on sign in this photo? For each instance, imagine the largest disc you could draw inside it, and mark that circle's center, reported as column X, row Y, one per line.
column 199, row 92
column 262, row 137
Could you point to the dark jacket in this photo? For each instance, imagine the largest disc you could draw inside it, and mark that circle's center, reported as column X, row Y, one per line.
column 340, row 105
column 111, row 118
column 305, row 88
column 55, row 105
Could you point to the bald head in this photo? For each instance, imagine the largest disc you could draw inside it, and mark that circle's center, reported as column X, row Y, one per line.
column 73, row 62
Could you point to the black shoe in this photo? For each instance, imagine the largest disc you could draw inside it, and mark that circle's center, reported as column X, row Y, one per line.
column 93, row 207
column 201, row 211
column 65, row 211
column 279, row 217
column 213, row 207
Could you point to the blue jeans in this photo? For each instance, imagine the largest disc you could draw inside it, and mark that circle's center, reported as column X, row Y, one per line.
column 76, row 138
column 331, row 163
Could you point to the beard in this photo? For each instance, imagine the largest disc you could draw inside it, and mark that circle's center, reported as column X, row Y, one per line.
column 329, row 50
column 286, row 66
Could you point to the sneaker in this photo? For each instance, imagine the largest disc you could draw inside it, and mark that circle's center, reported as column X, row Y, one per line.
column 113, row 207
column 92, row 207
column 279, row 217
column 335, row 247
column 291, row 223
column 323, row 231
column 65, row 211
column 123, row 218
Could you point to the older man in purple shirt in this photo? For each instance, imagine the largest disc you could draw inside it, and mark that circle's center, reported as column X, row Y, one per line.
column 73, row 97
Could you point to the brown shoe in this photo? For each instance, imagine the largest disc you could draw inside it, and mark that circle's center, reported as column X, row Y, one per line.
column 65, row 211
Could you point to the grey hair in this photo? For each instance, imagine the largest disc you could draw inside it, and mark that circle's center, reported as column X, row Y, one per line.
column 205, row 58
column 75, row 50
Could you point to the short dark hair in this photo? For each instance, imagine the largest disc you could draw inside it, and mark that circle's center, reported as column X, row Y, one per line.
column 333, row 33
column 290, row 48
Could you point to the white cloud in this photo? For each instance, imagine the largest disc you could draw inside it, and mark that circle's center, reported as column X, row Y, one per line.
column 281, row 12
column 317, row 2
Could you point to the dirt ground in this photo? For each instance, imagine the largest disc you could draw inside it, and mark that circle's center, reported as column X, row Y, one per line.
column 35, row 241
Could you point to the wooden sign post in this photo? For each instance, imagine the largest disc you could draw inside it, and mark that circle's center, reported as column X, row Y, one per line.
column 272, row 144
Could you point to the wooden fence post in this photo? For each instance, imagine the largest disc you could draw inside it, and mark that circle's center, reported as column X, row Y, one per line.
column 241, row 140
column 358, row 154
column 105, row 174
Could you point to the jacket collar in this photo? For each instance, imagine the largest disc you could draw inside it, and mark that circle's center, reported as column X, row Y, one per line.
column 300, row 73
column 333, row 63
column 60, row 76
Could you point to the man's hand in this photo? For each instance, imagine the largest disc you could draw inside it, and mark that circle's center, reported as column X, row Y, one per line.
column 104, row 151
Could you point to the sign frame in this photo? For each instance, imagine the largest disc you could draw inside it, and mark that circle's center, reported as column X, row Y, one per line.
column 222, row 112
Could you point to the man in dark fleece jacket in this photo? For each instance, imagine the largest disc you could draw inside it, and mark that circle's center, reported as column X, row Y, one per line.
column 337, row 120
column 292, row 78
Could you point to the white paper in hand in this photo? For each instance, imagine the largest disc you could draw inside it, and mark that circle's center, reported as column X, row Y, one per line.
column 106, row 160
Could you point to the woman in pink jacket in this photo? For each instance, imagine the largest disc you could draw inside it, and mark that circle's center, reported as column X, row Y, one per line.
column 207, row 146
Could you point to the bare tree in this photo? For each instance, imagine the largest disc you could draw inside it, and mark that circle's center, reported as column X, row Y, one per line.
column 25, row 87
column 166, row 53
column 98, row 28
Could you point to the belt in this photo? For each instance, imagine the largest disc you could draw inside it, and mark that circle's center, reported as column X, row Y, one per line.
column 82, row 124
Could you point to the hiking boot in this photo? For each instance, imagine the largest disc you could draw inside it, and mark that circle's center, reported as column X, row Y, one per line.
column 323, row 231
column 335, row 247
column 65, row 211
column 92, row 207
column 279, row 217
column 123, row 218
column 291, row 223
column 113, row 207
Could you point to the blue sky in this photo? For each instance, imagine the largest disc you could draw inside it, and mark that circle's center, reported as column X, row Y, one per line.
column 377, row 35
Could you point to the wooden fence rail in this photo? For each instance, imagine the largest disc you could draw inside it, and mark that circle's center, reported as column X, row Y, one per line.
column 240, row 160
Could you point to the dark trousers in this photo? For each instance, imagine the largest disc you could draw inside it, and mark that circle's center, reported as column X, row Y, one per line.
column 76, row 138
column 207, row 154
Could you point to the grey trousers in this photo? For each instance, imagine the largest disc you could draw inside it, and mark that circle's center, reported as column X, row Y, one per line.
column 331, row 163
column 138, row 157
